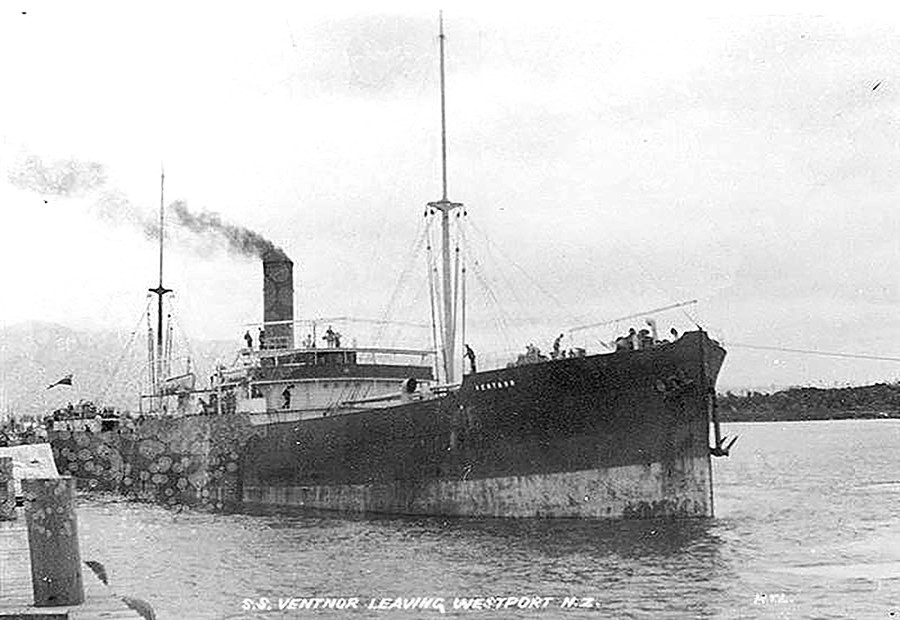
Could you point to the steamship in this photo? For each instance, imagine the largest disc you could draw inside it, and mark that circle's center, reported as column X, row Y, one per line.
column 608, row 435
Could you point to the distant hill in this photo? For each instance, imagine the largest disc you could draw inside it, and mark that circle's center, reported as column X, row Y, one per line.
column 881, row 400
column 108, row 367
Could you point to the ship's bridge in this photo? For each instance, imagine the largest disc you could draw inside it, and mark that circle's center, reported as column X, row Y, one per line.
column 287, row 384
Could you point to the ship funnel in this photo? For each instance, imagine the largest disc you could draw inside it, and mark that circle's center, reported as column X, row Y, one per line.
column 278, row 300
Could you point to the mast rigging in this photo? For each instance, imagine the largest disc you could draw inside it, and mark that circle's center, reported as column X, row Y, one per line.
column 160, row 291
column 445, row 206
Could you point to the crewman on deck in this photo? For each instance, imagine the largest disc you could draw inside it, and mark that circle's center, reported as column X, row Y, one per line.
column 286, row 398
column 654, row 332
column 262, row 338
column 329, row 337
column 645, row 340
column 555, row 353
column 248, row 339
column 470, row 355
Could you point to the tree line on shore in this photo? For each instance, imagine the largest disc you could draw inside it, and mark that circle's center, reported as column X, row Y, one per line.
column 881, row 400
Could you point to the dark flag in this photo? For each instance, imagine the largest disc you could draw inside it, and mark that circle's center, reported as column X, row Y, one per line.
column 67, row 380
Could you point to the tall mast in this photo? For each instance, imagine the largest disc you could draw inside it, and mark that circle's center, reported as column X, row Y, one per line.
column 445, row 207
column 160, row 290
column 443, row 111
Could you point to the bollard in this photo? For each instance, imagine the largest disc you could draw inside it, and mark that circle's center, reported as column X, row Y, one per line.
column 7, row 490
column 53, row 541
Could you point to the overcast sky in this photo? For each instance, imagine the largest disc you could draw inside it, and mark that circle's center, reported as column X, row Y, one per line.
column 623, row 161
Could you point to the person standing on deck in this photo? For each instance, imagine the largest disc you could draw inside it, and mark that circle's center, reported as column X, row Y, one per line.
column 555, row 353
column 654, row 334
column 470, row 355
column 329, row 337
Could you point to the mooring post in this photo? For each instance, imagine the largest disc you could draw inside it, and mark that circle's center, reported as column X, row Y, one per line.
column 7, row 490
column 53, row 541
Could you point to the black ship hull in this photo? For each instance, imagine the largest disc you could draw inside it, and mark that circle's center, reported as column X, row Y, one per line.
column 605, row 436
column 623, row 435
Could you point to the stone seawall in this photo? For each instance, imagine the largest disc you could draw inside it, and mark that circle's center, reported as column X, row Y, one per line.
column 192, row 460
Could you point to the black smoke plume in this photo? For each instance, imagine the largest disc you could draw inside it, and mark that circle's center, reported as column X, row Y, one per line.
column 113, row 206
column 237, row 239
column 63, row 177
column 76, row 178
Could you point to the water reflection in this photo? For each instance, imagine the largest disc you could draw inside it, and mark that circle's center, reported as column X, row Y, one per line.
column 795, row 503
column 677, row 566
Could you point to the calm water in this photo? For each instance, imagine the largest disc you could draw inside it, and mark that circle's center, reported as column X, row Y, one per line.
column 807, row 526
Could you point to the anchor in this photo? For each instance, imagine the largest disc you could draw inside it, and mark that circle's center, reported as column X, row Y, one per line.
column 720, row 449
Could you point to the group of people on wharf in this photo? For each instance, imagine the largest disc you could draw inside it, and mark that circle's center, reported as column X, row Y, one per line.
column 15, row 432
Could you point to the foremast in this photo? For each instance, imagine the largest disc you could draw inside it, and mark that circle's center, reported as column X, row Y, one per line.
column 448, row 294
column 160, row 353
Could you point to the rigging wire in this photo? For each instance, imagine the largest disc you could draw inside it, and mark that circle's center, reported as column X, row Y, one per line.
column 125, row 352
column 440, row 326
column 455, row 306
column 504, row 321
column 408, row 265
column 635, row 315
column 655, row 283
column 151, row 353
column 508, row 284
column 415, row 303
column 524, row 272
column 501, row 318
column 432, row 300
column 462, row 236
column 180, row 331
column 815, row 352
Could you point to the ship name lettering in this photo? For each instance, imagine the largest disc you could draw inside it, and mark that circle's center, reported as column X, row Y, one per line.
column 294, row 603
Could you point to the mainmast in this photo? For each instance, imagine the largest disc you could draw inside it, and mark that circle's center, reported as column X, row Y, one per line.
column 160, row 291
column 446, row 207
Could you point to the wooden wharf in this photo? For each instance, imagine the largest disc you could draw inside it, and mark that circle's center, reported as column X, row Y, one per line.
column 16, row 593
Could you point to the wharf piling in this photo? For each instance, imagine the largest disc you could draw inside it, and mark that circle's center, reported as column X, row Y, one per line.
column 53, row 541
column 7, row 489
column 40, row 564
